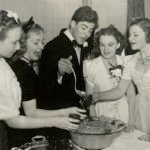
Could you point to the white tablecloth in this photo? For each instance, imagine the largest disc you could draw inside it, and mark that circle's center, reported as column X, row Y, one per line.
column 129, row 141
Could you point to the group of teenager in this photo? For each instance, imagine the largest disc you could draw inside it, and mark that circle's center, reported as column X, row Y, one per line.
column 38, row 86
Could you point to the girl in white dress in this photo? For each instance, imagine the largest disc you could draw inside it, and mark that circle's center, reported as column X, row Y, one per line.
column 104, row 73
column 137, row 69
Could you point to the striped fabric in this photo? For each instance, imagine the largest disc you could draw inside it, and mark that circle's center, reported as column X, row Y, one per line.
column 135, row 9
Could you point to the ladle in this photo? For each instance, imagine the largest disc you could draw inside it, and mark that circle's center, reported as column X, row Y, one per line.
column 85, row 99
column 79, row 92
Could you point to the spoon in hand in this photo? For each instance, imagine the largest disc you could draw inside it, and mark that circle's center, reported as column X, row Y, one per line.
column 79, row 92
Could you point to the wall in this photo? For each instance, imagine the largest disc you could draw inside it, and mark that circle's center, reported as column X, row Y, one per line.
column 53, row 15
column 147, row 8
column 111, row 12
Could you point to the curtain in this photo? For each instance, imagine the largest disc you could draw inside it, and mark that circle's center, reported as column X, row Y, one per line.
column 86, row 2
column 135, row 9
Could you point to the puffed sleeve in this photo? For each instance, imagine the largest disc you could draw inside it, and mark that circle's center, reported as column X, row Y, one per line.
column 88, row 71
column 89, row 76
column 126, row 71
column 9, row 98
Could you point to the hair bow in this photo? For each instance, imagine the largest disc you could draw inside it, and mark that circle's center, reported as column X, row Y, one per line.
column 28, row 25
column 13, row 15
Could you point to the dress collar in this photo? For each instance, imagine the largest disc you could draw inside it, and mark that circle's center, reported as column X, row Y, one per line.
column 29, row 62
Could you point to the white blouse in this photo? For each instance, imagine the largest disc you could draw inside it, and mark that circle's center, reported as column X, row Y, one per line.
column 10, row 92
column 99, row 80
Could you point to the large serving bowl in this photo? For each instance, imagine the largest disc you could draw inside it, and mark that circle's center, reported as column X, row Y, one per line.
column 97, row 133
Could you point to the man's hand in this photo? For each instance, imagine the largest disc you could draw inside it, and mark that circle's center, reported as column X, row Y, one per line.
column 86, row 101
column 65, row 65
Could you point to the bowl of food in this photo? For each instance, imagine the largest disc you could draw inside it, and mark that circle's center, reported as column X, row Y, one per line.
column 97, row 132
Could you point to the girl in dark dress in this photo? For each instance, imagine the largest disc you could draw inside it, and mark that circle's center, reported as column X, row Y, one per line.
column 26, row 70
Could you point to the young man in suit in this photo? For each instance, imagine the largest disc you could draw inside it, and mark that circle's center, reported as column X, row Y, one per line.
column 66, row 51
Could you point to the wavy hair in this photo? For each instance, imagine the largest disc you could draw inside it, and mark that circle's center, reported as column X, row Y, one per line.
column 8, row 20
column 113, row 31
column 28, row 27
column 144, row 24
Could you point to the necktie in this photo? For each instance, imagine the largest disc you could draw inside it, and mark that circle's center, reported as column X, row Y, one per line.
column 77, row 49
column 75, row 44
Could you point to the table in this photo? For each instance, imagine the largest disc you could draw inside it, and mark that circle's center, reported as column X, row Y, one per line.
column 126, row 141
column 129, row 141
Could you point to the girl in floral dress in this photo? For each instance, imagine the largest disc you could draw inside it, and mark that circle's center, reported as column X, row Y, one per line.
column 104, row 73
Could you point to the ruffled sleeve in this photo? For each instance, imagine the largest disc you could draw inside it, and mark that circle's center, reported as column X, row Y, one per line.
column 10, row 94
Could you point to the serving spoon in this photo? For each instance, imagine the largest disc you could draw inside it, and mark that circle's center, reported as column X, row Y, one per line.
column 79, row 92
column 86, row 99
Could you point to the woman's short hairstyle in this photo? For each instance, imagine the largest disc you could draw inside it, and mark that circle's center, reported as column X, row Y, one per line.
column 144, row 24
column 85, row 13
column 8, row 20
column 28, row 27
column 34, row 28
column 31, row 26
column 113, row 31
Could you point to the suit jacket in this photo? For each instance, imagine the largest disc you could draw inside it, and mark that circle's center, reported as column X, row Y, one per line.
column 53, row 95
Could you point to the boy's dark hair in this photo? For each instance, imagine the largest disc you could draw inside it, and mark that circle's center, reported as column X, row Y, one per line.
column 85, row 13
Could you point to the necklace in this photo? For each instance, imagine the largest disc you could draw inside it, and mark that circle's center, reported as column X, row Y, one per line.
column 144, row 60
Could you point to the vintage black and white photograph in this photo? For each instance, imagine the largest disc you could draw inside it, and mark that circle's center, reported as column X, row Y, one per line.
column 74, row 75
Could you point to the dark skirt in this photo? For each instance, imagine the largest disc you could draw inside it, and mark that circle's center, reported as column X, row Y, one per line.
column 18, row 137
column 58, row 139
column 3, row 136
